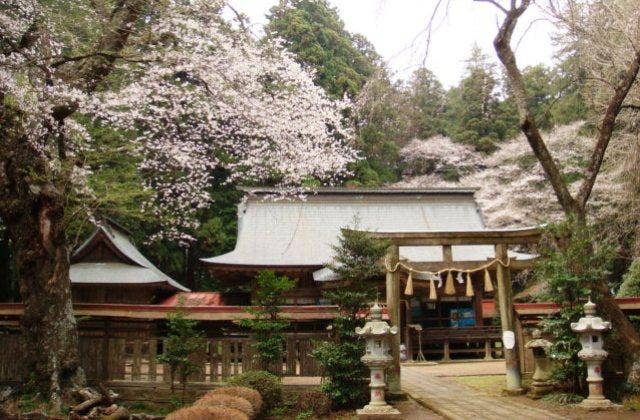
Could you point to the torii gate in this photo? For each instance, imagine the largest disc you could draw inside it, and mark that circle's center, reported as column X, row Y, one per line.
column 500, row 239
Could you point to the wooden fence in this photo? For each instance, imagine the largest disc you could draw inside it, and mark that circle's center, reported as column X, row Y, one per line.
column 135, row 359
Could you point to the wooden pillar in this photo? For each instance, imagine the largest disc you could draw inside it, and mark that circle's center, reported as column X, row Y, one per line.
column 505, row 303
column 478, row 296
column 393, row 307
column 447, row 253
column 446, row 351
column 487, row 350
column 408, row 342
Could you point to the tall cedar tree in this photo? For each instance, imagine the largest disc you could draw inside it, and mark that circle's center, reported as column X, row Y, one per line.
column 357, row 263
column 314, row 32
column 427, row 101
column 474, row 108
column 267, row 326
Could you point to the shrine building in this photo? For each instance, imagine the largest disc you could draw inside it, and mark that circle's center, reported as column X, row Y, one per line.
column 294, row 236
column 108, row 268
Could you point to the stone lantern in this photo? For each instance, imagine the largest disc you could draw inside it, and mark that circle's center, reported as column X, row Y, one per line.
column 590, row 329
column 541, row 384
column 377, row 333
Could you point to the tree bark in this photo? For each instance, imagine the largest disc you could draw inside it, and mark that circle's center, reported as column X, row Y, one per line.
column 576, row 207
column 33, row 211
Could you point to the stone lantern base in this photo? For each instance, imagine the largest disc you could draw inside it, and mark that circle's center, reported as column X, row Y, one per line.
column 596, row 401
column 371, row 411
column 540, row 388
column 595, row 404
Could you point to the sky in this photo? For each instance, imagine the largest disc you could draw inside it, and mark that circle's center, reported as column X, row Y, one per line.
column 397, row 30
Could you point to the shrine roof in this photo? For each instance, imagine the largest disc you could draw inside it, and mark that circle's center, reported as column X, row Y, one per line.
column 109, row 256
column 285, row 231
column 364, row 191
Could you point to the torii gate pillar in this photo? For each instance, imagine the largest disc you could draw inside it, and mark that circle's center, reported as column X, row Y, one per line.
column 393, row 308
column 505, row 305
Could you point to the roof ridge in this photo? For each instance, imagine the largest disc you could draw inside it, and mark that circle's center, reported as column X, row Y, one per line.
column 347, row 191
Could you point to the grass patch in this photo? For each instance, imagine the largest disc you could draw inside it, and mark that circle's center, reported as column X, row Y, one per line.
column 147, row 408
column 489, row 384
column 562, row 398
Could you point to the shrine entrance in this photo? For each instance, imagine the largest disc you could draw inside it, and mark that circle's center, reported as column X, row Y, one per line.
column 452, row 300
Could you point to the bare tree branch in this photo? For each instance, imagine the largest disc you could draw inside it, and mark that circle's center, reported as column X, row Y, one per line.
column 70, row 59
column 502, row 45
column 496, row 4
column 239, row 17
column 90, row 71
column 605, row 130
column 123, row 18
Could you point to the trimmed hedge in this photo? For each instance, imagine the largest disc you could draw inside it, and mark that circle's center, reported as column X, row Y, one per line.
column 267, row 384
column 248, row 394
column 207, row 413
column 229, row 401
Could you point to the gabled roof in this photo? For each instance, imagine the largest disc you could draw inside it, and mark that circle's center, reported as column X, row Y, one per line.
column 278, row 232
column 124, row 263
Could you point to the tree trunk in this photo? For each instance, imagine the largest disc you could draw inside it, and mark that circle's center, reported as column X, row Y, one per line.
column 33, row 210
column 629, row 338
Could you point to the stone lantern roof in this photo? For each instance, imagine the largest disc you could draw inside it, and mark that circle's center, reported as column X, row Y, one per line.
column 590, row 322
column 375, row 326
column 538, row 342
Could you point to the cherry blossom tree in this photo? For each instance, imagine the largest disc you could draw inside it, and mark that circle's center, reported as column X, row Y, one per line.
column 438, row 154
column 42, row 85
column 209, row 97
column 512, row 188
column 192, row 92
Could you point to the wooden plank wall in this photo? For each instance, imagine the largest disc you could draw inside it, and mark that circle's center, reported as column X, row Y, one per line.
column 135, row 359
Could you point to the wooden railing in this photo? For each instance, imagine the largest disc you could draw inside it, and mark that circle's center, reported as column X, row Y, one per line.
column 135, row 359
column 465, row 342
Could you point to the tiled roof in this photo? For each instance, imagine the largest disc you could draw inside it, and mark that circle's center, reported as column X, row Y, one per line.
column 189, row 299
column 131, row 268
column 273, row 231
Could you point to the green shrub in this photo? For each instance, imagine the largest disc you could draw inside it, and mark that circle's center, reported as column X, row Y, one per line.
column 451, row 173
column 267, row 384
column 347, row 384
column 183, row 340
column 572, row 260
column 631, row 281
column 315, row 402
column 632, row 402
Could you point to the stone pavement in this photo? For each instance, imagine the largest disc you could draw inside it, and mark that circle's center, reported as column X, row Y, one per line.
column 456, row 401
